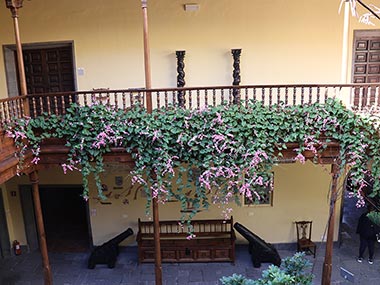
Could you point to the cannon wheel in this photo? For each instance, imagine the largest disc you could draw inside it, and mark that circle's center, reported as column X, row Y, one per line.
column 91, row 264
column 111, row 264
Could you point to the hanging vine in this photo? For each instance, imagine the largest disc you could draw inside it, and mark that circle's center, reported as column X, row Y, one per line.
column 224, row 151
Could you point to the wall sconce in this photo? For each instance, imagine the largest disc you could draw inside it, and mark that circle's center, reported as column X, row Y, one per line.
column 13, row 3
column 191, row 7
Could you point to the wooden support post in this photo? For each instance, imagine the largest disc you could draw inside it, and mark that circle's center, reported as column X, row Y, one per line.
column 14, row 5
column 41, row 230
column 157, row 244
column 148, row 77
column 148, row 85
column 180, row 54
column 236, row 75
column 327, row 264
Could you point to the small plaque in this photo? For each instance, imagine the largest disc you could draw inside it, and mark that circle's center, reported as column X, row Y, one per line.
column 118, row 181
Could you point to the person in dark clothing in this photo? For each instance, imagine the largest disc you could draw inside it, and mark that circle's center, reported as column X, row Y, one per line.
column 367, row 231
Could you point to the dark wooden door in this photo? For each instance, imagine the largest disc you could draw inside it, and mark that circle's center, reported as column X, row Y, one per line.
column 49, row 70
column 366, row 63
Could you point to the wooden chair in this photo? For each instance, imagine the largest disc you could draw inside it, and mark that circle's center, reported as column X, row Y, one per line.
column 304, row 242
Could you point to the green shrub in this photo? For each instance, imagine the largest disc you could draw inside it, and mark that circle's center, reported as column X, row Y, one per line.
column 293, row 271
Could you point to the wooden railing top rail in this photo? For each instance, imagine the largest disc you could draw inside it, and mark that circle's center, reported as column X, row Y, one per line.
column 143, row 90
column 359, row 97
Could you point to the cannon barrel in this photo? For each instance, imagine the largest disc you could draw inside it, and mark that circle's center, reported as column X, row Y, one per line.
column 250, row 236
column 107, row 253
column 120, row 237
column 260, row 250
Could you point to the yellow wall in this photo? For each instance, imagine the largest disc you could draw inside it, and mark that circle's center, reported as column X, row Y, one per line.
column 15, row 220
column 283, row 41
column 11, row 206
column 300, row 193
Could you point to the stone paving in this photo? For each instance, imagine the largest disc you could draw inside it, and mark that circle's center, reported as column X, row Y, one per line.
column 71, row 269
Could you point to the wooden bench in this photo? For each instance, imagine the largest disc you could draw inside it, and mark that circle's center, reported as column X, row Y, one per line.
column 214, row 241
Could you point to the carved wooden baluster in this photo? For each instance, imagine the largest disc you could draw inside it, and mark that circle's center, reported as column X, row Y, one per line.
column 131, row 99
column 246, row 96
column 294, row 95
column 190, row 99
column 270, row 96
column 48, row 106
column 9, row 110
column 326, row 95
column 123, row 101
column 198, row 99
column 14, row 109
column 310, row 95
column 214, row 97
column 85, row 100
column 116, row 94
column 108, row 98
column 2, row 118
column 222, row 95
column 206, row 97
column 158, row 99
column 181, row 76
column 236, row 53
column 71, row 101
column 173, row 97
column 34, row 107
column 286, row 96
column 263, row 95
column 318, row 94
column 368, row 90
column 63, row 104
column 6, row 111
column 21, row 107
column 278, row 95
column 40, row 103
column 361, row 91
column 302, row 94
column 254, row 94
column 166, row 98
column 142, row 96
column 57, row 112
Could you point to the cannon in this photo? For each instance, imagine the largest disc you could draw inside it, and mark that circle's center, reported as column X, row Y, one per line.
column 107, row 253
column 260, row 250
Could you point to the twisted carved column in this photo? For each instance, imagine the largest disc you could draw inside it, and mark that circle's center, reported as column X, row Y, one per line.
column 181, row 76
column 236, row 74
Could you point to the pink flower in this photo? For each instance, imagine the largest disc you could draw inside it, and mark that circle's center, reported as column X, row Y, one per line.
column 35, row 160
column 300, row 158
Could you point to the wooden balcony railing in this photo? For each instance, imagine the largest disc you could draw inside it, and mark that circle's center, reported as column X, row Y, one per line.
column 359, row 97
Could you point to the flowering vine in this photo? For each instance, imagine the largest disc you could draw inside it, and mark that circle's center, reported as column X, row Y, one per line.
column 212, row 155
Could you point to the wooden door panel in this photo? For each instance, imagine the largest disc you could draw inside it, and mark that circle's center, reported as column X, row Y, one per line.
column 361, row 57
column 375, row 44
column 361, row 45
column 366, row 65
column 373, row 69
column 49, row 70
column 360, row 69
column 374, row 57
